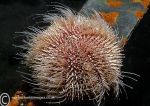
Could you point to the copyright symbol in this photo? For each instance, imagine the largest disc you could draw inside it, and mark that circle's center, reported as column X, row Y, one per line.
column 4, row 99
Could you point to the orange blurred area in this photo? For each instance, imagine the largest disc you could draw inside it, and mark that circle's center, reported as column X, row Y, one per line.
column 110, row 17
column 116, row 3
column 145, row 3
column 139, row 14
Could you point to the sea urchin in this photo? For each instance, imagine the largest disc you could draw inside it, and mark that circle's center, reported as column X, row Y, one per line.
column 77, row 56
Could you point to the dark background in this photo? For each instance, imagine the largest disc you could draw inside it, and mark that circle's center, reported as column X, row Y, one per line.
column 15, row 15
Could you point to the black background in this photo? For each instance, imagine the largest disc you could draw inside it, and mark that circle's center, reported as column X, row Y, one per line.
column 15, row 15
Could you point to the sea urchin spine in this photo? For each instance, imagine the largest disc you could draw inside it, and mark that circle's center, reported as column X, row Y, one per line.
column 75, row 57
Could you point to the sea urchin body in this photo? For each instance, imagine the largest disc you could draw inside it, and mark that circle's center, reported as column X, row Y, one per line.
column 75, row 57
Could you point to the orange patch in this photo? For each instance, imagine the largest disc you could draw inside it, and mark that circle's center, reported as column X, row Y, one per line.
column 145, row 3
column 110, row 17
column 16, row 101
column 113, row 3
column 30, row 104
column 139, row 14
